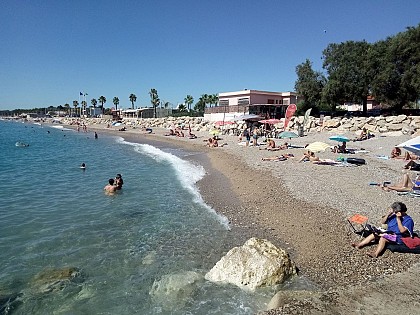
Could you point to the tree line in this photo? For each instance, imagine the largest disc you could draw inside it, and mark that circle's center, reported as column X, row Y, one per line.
column 388, row 70
column 203, row 101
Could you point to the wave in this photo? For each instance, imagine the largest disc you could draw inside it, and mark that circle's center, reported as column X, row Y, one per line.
column 187, row 173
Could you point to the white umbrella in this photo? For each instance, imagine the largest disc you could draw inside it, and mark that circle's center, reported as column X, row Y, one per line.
column 412, row 145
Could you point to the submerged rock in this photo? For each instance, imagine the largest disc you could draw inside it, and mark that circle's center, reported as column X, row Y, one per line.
column 172, row 291
column 258, row 263
column 52, row 280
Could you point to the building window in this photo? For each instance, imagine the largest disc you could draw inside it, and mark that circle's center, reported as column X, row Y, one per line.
column 286, row 102
column 223, row 102
column 243, row 101
column 270, row 101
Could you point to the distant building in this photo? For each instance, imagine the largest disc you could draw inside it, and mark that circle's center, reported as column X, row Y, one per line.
column 372, row 104
column 264, row 103
column 145, row 112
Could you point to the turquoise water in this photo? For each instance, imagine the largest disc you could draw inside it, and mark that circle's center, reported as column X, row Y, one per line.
column 54, row 215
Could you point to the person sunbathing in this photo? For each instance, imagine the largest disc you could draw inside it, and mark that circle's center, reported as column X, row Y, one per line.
column 282, row 157
column 399, row 224
column 405, row 185
column 412, row 166
column 309, row 156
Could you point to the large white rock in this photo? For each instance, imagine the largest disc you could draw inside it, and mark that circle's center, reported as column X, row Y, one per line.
column 257, row 263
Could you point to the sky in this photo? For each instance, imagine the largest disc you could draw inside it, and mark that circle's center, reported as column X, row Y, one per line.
column 51, row 50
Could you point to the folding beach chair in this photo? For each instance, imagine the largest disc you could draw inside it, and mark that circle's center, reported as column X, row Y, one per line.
column 359, row 224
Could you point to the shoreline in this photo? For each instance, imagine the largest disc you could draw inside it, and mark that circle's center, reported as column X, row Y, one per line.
column 258, row 203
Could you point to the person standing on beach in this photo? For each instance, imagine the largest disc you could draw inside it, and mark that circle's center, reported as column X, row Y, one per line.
column 246, row 135
column 255, row 134
column 96, row 135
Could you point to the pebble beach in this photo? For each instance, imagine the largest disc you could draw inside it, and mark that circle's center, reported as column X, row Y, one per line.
column 303, row 208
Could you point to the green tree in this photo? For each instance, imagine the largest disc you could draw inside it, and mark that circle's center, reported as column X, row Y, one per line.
column 133, row 99
column 94, row 102
column 213, row 99
column 102, row 100
column 309, row 85
column 75, row 104
column 396, row 69
column 182, row 108
column 154, row 100
column 201, row 103
column 349, row 78
column 67, row 107
column 116, row 102
column 188, row 100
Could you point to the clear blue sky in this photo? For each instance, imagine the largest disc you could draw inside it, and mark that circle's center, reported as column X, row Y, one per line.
column 53, row 49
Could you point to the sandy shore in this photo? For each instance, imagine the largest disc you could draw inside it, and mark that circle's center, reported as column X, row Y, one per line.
column 303, row 208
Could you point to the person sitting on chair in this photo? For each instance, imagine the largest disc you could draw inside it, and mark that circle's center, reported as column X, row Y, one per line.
column 399, row 224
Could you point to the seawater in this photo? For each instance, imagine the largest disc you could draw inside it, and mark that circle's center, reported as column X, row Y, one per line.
column 54, row 215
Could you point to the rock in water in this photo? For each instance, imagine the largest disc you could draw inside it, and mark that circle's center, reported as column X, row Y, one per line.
column 172, row 291
column 258, row 263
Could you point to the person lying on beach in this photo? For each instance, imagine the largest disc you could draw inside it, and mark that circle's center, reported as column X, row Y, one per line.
column 309, row 156
column 171, row 133
column 410, row 156
column 110, row 188
column 412, row 166
column 399, row 224
column 282, row 157
column 405, row 185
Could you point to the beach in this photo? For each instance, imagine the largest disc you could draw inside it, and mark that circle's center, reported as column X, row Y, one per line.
column 303, row 208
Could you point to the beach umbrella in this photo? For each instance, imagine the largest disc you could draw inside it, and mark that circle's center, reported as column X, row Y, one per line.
column 287, row 134
column 317, row 146
column 271, row 121
column 340, row 138
column 412, row 145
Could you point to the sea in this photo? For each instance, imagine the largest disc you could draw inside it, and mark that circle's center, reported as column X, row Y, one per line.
column 66, row 247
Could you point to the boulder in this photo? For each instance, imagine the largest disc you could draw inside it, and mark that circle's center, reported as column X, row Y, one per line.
column 399, row 119
column 333, row 123
column 394, row 127
column 172, row 291
column 258, row 263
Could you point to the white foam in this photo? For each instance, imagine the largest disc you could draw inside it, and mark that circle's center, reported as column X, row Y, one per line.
column 187, row 173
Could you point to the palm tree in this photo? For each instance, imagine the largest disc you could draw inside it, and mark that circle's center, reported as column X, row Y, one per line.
column 133, row 99
column 214, row 99
column 102, row 100
column 94, row 102
column 75, row 104
column 182, row 108
column 116, row 101
column 154, row 99
column 188, row 101
column 67, row 106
